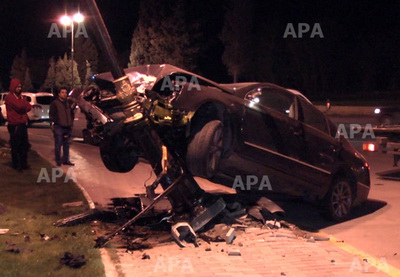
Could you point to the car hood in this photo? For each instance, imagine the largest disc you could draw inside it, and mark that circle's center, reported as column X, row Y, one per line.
column 146, row 76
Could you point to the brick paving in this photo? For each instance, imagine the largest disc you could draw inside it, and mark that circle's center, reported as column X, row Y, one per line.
column 263, row 253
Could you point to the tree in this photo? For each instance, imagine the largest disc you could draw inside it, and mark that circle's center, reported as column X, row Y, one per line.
column 27, row 83
column 50, row 81
column 163, row 35
column 86, row 51
column 19, row 66
column 89, row 74
column 237, row 37
column 64, row 68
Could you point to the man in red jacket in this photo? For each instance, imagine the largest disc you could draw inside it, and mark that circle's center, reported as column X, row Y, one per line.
column 17, row 107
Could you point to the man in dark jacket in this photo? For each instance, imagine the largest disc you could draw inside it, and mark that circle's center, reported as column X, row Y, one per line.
column 17, row 107
column 62, row 115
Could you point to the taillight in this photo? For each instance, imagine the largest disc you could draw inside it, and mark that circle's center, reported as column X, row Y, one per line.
column 371, row 147
column 37, row 107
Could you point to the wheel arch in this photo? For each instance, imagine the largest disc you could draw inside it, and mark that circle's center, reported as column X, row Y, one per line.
column 345, row 172
column 207, row 112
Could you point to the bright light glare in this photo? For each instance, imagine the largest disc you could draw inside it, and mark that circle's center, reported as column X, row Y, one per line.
column 65, row 20
column 371, row 147
column 377, row 111
column 78, row 17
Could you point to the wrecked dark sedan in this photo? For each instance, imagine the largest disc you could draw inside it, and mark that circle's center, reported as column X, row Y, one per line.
column 257, row 135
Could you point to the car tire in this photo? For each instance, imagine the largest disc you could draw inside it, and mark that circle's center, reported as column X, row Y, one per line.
column 205, row 150
column 339, row 200
column 386, row 120
column 116, row 155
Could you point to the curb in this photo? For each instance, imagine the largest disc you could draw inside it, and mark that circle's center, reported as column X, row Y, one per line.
column 110, row 269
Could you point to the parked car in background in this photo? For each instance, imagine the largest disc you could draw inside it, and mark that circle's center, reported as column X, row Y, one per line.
column 40, row 102
column 388, row 115
column 241, row 130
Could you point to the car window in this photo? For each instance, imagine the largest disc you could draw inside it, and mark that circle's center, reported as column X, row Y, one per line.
column 44, row 100
column 278, row 100
column 28, row 98
column 313, row 117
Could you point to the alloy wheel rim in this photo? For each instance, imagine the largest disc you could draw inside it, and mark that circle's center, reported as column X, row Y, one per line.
column 341, row 199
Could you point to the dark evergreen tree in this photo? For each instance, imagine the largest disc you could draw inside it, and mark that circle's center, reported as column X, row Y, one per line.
column 237, row 38
column 164, row 35
column 50, row 81
column 86, row 51
column 19, row 66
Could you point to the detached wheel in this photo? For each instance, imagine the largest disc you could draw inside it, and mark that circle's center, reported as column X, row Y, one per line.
column 339, row 200
column 118, row 153
column 205, row 150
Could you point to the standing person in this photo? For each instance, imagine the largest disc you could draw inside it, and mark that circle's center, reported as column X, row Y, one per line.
column 62, row 115
column 17, row 107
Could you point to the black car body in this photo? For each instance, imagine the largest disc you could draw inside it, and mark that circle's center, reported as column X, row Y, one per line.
column 252, row 129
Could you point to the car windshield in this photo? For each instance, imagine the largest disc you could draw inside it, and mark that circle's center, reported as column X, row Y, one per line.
column 44, row 100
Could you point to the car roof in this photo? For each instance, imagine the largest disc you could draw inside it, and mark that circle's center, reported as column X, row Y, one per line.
column 241, row 88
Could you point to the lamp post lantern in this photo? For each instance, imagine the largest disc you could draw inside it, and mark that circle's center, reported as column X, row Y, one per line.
column 67, row 20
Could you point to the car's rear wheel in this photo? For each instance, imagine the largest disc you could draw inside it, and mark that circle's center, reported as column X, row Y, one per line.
column 339, row 200
column 205, row 150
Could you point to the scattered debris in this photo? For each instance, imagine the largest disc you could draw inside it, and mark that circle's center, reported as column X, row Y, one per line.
column 12, row 248
column 255, row 212
column 4, row 231
column 145, row 256
column 72, row 204
column 273, row 224
column 44, row 237
column 208, row 249
column 270, row 206
column 71, row 261
column 182, row 233
column 138, row 244
column 235, row 252
column 311, row 239
column 230, row 236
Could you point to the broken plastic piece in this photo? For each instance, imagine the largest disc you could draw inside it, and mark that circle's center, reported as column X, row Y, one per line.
column 234, row 253
column 230, row 236
column 4, row 231
column 182, row 233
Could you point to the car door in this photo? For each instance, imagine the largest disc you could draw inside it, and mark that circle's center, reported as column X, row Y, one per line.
column 321, row 148
column 271, row 133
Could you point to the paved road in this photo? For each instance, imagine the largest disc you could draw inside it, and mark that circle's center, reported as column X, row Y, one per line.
column 373, row 230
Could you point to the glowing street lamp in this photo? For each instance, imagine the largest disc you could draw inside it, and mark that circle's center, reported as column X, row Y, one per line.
column 67, row 20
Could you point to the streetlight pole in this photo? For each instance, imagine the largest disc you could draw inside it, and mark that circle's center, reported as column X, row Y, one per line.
column 69, row 21
column 72, row 54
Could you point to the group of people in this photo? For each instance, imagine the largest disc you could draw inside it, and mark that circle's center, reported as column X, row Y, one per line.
column 61, row 115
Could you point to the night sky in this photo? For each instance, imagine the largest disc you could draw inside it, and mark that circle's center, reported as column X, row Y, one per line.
column 347, row 23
